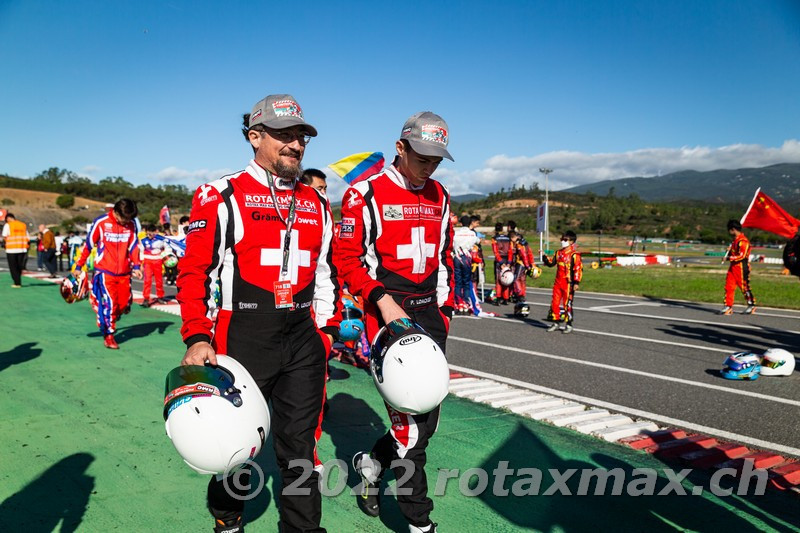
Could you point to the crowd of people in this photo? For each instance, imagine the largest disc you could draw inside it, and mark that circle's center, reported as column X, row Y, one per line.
column 262, row 270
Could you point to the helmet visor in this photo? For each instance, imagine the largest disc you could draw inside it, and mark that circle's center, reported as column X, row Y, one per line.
column 195, row 380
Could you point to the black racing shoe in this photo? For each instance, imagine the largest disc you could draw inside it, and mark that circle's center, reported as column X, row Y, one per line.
column 369, row 500
column 430, row 528
column 229, row 526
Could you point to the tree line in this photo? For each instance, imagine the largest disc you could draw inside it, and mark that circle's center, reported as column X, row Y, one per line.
column 68, row 184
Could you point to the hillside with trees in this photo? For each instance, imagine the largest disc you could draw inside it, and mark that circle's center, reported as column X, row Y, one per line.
column 69, row 185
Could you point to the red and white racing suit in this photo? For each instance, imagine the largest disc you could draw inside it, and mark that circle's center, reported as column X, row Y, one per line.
column 569, row 272
column 739, row 271
column 153, row 262
column 397, row 239
column 116, row 253
column 237, row 237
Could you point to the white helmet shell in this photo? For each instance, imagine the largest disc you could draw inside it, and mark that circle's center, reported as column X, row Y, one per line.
column 777, row 362
column 409, row 369
column 216, row 417
column 506, row 278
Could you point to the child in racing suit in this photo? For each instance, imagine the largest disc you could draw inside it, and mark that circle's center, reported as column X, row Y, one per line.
column 568, row 276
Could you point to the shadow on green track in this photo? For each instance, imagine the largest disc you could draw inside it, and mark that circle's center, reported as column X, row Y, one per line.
column 20, row 354
column 59, row 495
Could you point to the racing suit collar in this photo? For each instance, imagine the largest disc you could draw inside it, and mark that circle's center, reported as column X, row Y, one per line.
column 260, row 175
column 400, row 180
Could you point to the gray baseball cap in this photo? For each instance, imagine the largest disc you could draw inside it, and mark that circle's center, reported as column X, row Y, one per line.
column 278, row 111
column 427, row 133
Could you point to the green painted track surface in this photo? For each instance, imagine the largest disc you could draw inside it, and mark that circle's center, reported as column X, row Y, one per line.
column 83, row 448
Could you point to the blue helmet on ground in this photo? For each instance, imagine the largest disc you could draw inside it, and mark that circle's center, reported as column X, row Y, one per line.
column 741, row 365
column 352, row 325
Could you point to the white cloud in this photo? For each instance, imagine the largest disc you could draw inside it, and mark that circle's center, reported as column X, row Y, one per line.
column 91, row 170
column 578, row 168
column 190, row 178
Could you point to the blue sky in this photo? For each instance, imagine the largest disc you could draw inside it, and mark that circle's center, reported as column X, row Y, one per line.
column 154, row 91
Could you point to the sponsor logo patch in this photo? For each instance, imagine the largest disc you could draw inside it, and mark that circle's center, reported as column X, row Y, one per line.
column 196, row 225
column 422, row 212
column 411, row 339
column 354, row 200
column 312, row 221
column 434, row 133
column 412, row 212
column 287, row 108
column 348, row 229
column 248, row 305
column 264, row 201
column 393, row 212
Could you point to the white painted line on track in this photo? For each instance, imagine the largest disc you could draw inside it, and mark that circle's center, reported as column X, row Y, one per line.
column 636, row 412
column 638, row 304
column 629, row 337
column 650, row 375
column 601, row 309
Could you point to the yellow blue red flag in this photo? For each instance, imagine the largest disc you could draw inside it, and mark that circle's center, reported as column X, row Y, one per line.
column 357, row 167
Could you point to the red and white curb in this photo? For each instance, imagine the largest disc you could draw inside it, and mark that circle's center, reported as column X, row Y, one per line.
column 668, row 444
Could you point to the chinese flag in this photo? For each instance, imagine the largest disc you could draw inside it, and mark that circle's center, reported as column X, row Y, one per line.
column 766, row 215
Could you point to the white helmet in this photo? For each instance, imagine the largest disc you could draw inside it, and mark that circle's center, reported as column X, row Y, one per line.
column 408, row 368
column 506, row 277
column 777, row 362
column 216, row 416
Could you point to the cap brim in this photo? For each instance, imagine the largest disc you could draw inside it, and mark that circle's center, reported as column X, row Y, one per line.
column 288, row 122
column 429, row 150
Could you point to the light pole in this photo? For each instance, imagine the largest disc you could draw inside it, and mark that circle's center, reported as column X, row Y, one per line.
column 546, row 172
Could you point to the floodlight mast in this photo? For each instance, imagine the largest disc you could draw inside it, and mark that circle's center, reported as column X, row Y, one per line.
column 546, row 172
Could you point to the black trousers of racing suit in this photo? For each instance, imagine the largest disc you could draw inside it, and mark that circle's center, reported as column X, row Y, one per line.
column 409, row 434
column 286, row 356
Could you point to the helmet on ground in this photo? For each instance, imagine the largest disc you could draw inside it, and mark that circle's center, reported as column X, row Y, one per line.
column 506, row 277
column 741, row 365
column 534, row 272
column 408, row 367
column 215, row 416
column 171, row 261
column 352, row 326
column 75, row 289
column 777, row 362
column 522, row 309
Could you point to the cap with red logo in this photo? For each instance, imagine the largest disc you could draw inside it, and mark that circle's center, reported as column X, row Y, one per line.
column 279, row 111
column 427, row 133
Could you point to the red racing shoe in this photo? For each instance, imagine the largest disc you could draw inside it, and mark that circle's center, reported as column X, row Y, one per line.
column 110, row 342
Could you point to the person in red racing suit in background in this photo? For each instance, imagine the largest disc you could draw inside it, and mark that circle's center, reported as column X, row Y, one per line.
column 114, row 237
column 267, row 238
column 395, row 251
column 568, row 277
column 739, row 270
column 523, row 262
column 503, row 255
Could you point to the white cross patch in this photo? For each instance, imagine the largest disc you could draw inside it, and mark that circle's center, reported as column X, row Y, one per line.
column 297, row 257
column 418, row 251
column 204, row 190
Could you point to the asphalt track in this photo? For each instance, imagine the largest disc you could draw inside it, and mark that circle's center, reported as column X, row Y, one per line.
column 660, row 357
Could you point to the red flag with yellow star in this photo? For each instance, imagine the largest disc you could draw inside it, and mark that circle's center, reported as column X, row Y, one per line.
column 767, row 215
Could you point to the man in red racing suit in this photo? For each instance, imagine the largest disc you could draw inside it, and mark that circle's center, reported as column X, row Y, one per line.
column 114, row 238
column 395, row 250
column 267, row 239
column 569, row 272
column 739, row 270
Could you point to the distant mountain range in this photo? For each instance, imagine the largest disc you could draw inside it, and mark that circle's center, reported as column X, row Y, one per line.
column 781, row 182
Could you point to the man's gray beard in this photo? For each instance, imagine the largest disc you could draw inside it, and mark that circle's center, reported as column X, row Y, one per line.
column 287, row 171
